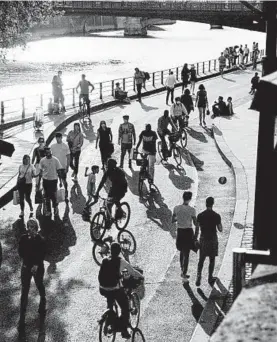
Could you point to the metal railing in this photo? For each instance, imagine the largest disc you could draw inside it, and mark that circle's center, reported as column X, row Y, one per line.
column 24, row 107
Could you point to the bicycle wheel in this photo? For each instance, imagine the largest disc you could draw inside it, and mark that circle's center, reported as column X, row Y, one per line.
column 137, row 336
column 177, row 155
column 184, row 138
column 123, row 222
column 127, row 242
column 98, row 226
column 100, row 250
column 134, row 307
column 160, row 152
column 107, row 333
column 140, row 187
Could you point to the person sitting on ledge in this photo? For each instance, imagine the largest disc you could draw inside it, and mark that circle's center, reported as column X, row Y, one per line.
column 219, row 108
column 120, row 94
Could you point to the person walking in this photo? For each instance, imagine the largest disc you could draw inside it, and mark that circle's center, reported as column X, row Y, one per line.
column 139, row 80
column 61, row 151
column 186, row 100
column 149, row 139
column 193, row 78
column 222, row 63
column 32, row 250
column 170, row 84
column 126, row 138
column 105, row 138
column 184, row 215
column 49, row 172
column 209, row 222
column 26, row 173
column 38, row 154
column 75, row 140
column 91, row 187
column 202, row 103
column 84, row 94
column 185, row 76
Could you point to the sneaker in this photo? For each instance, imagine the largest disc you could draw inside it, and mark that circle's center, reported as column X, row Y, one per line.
column 21, row 215
column 125, row 334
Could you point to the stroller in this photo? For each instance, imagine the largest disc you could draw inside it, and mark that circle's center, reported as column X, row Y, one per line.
column 38, row 119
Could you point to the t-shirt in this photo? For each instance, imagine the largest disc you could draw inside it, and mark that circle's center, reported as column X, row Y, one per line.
column 49, row 167
column 61, row 151
column 184, row 214
column 30, row 170
column 84, row 85
column 149, row 141
column 117, row 178
column 208, row 220
column 125, row 132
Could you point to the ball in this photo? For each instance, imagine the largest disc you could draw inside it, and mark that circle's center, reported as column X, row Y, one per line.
column 222, row 180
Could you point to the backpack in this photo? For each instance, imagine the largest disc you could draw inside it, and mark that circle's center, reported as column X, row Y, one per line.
column 109, row 273
column 146, row 75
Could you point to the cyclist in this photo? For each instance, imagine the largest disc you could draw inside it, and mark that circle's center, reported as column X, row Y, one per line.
column 178, row 111
column 84, row 94
column 149, row 138
column 162, row 130
column 110, row 285
column 117, row 190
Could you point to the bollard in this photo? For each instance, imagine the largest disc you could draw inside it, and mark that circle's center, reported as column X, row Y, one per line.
column 124, row 84
column 23, row 107
column 153, row 79
column 101, row 96
column 73, row 97
column 177, row 73
column 203, row 67
column 214, row 64
column 162, row 77
column 197, row 68
column 209, row 66
column 112, row 87
column 41, row 100
column 2, row 112
column 238, row 270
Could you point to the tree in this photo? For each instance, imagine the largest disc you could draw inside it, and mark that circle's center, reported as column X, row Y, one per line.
column 18, row 17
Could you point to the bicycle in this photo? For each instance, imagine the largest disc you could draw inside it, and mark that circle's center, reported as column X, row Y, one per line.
column 100, row 221
column 144, row 175
column 174, row 149
column 101, row 249
column 83, row 111
column 183, row 137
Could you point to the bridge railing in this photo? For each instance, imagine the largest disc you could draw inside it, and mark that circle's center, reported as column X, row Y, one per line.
column 24, row 107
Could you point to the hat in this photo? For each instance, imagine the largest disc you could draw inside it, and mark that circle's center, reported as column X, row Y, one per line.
column 125, row 116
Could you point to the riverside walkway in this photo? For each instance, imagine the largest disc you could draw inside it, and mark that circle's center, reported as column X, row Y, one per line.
column 170, row 312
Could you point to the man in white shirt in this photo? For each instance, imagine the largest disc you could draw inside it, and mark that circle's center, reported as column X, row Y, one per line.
column 184, row 215
column 84, row 94
column 49, row 167
column 61, row 151
column 177, row 112
column 170, row 84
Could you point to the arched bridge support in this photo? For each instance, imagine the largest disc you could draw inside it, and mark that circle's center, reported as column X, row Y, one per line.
column 135, row 27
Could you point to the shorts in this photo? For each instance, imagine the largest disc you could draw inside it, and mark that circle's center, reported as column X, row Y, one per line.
column 117, row 194
column 126, row 147
column 209, row 247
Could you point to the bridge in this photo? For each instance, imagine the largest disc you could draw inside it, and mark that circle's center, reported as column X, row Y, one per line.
column 239, row 14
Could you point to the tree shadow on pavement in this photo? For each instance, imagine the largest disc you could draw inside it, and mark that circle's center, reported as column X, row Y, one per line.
column 178, row 177
column 197, row 135
column 77, row 199
column 196, row 307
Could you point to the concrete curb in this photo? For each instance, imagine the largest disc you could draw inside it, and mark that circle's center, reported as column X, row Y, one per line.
column 209, row 316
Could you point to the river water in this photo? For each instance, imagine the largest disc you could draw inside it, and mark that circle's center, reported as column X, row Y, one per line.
column 108, row 55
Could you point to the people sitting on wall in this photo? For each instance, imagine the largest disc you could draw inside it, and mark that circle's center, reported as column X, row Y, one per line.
column 120, row 94
column 219, row 108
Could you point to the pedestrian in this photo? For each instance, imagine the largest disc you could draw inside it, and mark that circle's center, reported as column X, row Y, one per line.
column 230, row 110
column 84, row 94
column 91, row 187
column 149, row 138
column 245, row 53
column 32, row 251
column 105, row 138
column 185, row 76
column 38, row 154
column 49, row 168
column 170, row 84
column 202, row 103
column 222, row 63
column 178, row 113
column 61, row 90
column 139, row 80
column 75, row 140
column 184, row 215
column 61, row 151
column 126, row 138
column 163, row 130
column 255, row 56
column 193, row 79
column 26, row 173
column 254, row 83
column 209, row 222
column 187, row 101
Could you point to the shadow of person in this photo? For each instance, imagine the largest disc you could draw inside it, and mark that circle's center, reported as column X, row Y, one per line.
column 77, row 199
column 133, row 181
column 147, row 108
column 196, row 307
column 196, row 162
column 197, row 135
column 178, row 177
column 88, row 131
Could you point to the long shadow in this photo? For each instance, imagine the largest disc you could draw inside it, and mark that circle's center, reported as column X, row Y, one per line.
column 88, row 132
column 197, row 162
column 77, row 199
column 196, row 307
column 178, row 177
column 197, row 135
column 147, row 108
column 133, row 181
column 228, row 79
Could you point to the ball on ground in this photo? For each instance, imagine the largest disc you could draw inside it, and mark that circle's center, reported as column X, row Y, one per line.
column 222, row 180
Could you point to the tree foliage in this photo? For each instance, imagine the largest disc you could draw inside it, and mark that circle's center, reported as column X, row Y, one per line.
column 18, row 17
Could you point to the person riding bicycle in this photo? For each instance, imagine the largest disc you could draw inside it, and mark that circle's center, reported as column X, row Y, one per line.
column 117, row 190
column 149, row 139
column 84, row 94
column 162, row 130
column 178, row 112
column 110, row 285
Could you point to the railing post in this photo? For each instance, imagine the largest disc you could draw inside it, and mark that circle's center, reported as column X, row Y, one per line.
column 41, row 100
column 162, row 77
column 23, row 107
column 203, row 67
column 101, row 95
column 112, row 87
column 177, row 73
column 2, row 112
column 197, row 68
column 238, row 270
column 153, row 79
column 123, row 83
column 73, row 97
column 214, row 64
column 209, row 66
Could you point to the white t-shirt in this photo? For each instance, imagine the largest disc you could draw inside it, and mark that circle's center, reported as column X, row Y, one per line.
column 170, row 82
column 184, row 215
column 49, row 168
column 31, row 170
column 61, row 151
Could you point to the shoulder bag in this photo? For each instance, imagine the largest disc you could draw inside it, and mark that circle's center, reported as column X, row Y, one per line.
column 21, row 181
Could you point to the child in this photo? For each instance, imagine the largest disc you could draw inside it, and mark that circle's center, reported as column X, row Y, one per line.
column 91, row 182
column 230, row 106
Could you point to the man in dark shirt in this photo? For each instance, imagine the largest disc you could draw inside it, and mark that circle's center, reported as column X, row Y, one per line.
column 163, row 130
column 254, row 83
column 209, row 222
column 32, row 251
column 149, row 139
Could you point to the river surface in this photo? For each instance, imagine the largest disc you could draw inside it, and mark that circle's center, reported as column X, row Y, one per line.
column 108, row 55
